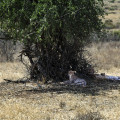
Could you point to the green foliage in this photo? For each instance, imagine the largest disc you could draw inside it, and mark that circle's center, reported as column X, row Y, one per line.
column 117, row 33
column 24, row 19
column 112, row 8
column 54, row 30
column 112, row 1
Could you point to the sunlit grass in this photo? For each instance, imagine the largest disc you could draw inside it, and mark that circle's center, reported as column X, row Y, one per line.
column 43, row 106
column 12, row 71
column 106, row 56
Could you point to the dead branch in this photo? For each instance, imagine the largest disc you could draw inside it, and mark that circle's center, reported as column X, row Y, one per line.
column 17, row 81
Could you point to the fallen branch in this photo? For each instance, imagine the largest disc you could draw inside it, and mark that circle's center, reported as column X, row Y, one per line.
column 17, row 81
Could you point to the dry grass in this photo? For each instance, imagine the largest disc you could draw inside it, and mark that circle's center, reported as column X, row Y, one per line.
column 96, row 101
column 59, row 104
column 106, row 56
column 11, row 71
column 115, row 17
column 113, row 11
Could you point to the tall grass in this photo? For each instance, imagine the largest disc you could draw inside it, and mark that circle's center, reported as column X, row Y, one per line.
column 106, row 56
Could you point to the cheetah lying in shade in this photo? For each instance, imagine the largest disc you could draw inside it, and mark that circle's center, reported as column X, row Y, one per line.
column 74, row 80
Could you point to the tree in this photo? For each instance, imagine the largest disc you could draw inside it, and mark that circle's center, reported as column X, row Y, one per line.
column 54, row 32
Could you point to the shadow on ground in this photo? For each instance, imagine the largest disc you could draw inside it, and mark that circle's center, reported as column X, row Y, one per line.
column 92, row 88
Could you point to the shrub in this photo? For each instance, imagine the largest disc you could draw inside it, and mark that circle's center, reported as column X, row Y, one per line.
column 109, row 24
column 89, row 116
column 112, row 1
column 117, row 33
column 117, row 25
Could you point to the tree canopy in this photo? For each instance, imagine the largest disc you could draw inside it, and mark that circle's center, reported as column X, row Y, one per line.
column 54, row 30
column 29, row 19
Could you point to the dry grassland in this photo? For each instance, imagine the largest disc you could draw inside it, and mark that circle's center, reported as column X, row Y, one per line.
column 112, row 10
column 106, row 56
column 99, row 100
column 64, row 103
column 12, row 71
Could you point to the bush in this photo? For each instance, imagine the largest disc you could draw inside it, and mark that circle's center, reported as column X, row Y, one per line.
column 117, row 33
column 109, row 24
column 8, row 50
column 113, row 8
column 89, row 116
column 117, row 25
column 105, row 36
column 112, row 1
column 56, row 62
